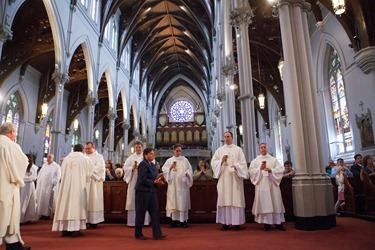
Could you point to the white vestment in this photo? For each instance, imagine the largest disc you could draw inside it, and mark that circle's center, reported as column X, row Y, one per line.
column 71, row 207
column 130, row 177
column 268, row 207
column 230, row 188
column 28, row 196
column 13, row 164
column 48, row 177
column 95, row 203
column 179, row 183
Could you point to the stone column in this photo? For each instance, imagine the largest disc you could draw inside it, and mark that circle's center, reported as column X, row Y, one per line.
column 126, row 127
column 5, row 34
column 112, row 115
column 312, row 188
column 58, row 133
column 91, row 101
column 240, row 19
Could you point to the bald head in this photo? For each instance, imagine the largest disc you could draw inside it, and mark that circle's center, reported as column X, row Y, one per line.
column 50, row 158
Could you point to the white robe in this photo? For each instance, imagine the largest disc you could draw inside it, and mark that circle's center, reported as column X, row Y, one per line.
column 179, row 183
column 13, row 164
column 48, row 177
column 130, row 177
column 28, row 196
column 230, row 187
column 268, row 207
column 95, row 203
column 71, row 209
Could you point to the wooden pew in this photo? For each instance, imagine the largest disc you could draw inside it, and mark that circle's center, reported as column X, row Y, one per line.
column 369, row 192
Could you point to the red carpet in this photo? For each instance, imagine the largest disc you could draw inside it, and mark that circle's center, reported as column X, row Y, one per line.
column 350, row 233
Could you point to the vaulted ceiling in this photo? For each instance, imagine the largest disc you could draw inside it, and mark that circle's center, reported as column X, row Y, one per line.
column 168, row 37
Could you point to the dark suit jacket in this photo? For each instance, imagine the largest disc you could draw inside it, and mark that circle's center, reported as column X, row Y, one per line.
column 356, row 170
column 147, row 174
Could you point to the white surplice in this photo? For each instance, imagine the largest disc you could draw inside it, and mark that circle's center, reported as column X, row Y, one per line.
column 179, row 183
column 230, row 188
column 130, row 177
column 268, row 207
column 28, row 196
column 71, row 208
column 48, row 177
column 13, row 164
column 95, row 203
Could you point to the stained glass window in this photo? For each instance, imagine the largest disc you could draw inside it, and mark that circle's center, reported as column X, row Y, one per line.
column 181, row 111
column 12, row 111
column 344, row 138
column 48, row 137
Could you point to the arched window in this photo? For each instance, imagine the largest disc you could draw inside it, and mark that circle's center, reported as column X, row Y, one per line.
column 343, row 131
column 181, row 111
column 48, row 138
column 13, row 110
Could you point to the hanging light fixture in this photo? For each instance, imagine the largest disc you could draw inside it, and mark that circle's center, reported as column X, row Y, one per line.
column 240, row 129
column 338, row 6
column 96, row 134
column 44, row 109
column 262, row 100
column 75, row 125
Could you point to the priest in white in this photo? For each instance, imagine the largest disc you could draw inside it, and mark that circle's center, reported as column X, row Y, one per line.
column 230, row 167
column 48, row 177
column 178, row 173
column 130, row 177
column 13, row 164
column 71, row 207
column 266, row 173
column 95, row 202
column 28, row 195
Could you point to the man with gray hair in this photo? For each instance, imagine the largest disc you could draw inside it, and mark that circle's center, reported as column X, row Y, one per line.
column 13, row 164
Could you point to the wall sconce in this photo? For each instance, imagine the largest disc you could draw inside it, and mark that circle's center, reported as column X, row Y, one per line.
column 338, row 6
column 44, row 109
column 240, row 129
column 262, row 100
column 233, row 86
column 132, row 150
column 280, row 66
column 75, row 125
column 96, row 134
column 122, row 146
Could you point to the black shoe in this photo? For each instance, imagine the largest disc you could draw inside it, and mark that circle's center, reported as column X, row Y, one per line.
column 184, row 225
column 76, row 234
column 17, row 246
column 173, row 224
column 237, row 228
column 142, row 237
column 280, row 227
column 92, row 226
column 224, row 227
column 65, row 234
column 161, row 237
column 266, row 227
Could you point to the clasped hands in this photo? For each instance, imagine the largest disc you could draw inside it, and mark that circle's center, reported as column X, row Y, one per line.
column 159, row 181
column 264, row 167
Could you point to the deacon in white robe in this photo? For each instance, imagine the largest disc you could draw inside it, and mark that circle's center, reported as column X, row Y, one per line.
column 130, row 177
column 230, row 167
column 266, row 173
column 95, row 203
column 28, row 195
column 48, row 177
column 178, row 173
column 71, row 207
column 13, row 164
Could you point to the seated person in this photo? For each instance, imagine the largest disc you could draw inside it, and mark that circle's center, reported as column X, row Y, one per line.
column 340, row 163
column 202, row 172
column 368, row 166
column 288, row 170
column 331, row 164
column 119, row 174
column 109, row 171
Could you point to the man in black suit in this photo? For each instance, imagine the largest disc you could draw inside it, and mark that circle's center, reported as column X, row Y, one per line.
column 357, row 166
column 145, row 196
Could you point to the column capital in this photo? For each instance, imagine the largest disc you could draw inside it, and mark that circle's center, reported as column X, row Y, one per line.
column 91, row 99
column 229, row 68
column 365, row 59
column 5, row 33
column 305, row 6
column 112, row 114
column 125, row 125
column 240, row 16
